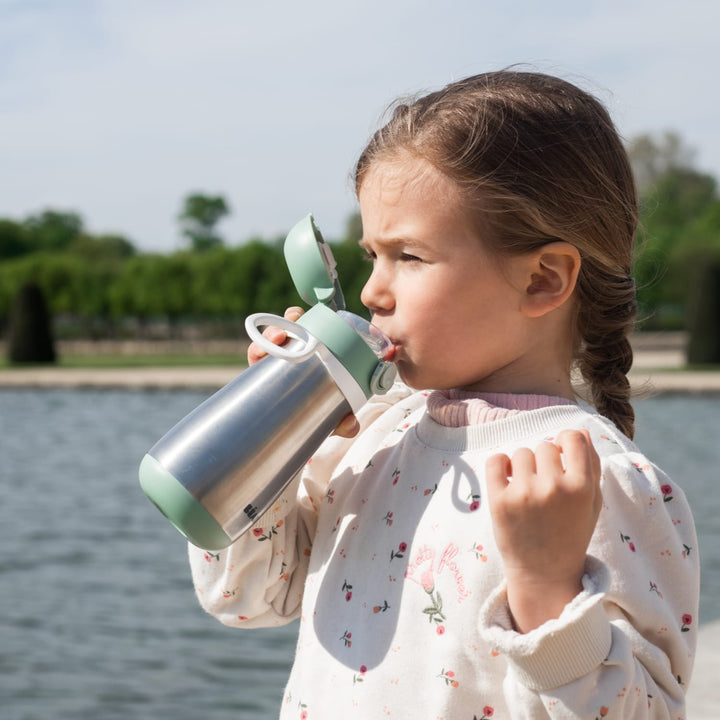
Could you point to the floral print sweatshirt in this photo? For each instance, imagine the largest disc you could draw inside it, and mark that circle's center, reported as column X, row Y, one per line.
column 383, row 546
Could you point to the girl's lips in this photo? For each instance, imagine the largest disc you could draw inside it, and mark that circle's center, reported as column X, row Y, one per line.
column 391, row 353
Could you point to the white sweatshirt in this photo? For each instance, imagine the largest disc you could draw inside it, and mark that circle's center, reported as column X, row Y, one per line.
column 385, row 549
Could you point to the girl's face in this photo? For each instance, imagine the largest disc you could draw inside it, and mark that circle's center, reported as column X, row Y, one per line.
column 452, row 308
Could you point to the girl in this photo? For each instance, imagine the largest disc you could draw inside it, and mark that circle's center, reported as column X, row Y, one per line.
column 487, row 548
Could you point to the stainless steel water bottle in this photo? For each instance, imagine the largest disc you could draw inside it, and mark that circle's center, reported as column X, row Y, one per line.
column 222, row 466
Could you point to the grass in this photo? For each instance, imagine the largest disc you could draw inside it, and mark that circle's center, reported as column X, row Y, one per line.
column 138, row 361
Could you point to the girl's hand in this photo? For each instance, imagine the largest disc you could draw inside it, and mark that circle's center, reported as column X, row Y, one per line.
column 543, row 516
column 349, row 425
column 276, row 335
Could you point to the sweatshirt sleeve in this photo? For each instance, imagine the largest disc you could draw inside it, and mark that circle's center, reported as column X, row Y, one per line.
column 258, row 580
column 623, row 648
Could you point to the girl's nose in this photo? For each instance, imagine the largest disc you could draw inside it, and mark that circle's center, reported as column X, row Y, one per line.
column 376, row 296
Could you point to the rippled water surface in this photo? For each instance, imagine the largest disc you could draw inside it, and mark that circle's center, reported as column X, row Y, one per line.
column 98, row 619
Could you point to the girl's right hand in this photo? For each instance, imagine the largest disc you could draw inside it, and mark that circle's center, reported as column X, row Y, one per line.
column 349, row 425
column 275, row 335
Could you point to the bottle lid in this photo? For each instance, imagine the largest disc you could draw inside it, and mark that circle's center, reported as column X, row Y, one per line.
column 312, row 265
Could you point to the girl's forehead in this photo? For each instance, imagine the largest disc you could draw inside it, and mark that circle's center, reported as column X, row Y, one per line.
column 404, row 178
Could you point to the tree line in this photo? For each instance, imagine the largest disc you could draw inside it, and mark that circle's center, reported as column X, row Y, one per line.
column 102, row 280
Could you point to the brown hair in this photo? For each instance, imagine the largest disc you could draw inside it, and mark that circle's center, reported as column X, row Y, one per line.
column 540, row 160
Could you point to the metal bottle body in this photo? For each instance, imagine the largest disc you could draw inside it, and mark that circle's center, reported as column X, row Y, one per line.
column 237, row 451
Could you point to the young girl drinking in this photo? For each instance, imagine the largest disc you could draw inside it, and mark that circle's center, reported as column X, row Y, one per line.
column 483, row 545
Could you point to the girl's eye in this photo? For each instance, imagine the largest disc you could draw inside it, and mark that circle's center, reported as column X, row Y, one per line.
column 406, row 257
column 368, row 256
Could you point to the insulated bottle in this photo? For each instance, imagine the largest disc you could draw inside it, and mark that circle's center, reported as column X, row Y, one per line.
column 222, row 466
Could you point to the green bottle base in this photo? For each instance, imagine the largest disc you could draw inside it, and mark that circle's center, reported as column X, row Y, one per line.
column 173, row 500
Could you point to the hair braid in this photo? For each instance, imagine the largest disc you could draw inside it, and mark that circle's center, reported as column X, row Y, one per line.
column 606, row 315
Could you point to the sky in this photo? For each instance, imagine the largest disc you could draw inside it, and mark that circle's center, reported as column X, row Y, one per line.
column 118, row 109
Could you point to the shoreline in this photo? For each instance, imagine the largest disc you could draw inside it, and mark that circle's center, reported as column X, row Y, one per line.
column 658, row 367
column 647, row 378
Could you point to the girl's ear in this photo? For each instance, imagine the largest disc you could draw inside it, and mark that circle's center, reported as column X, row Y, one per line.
column 552, row 275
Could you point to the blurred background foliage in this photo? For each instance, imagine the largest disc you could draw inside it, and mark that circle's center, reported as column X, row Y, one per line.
column 102, row 286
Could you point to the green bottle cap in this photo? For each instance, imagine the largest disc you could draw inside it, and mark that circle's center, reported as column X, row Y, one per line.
column 312, row 265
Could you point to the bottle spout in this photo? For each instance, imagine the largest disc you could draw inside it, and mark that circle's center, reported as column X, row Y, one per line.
column 374, row 338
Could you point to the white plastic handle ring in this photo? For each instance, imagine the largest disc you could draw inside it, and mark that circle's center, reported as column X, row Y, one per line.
column 258, row 320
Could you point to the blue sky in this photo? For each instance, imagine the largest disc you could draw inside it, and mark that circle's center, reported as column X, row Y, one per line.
column 117, row 109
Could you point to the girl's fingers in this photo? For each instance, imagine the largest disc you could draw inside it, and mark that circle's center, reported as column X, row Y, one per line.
column 581, row 459
column 497, row 471
column 348, row 427
column 293, row 313
column 275, row 335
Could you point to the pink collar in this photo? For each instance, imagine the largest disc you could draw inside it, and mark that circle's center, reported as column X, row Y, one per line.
column 459, row 408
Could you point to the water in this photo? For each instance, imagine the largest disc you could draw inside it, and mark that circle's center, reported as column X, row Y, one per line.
column 98, row 619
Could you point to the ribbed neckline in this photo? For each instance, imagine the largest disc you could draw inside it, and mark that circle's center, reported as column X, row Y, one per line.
column 492, row 434
column 458, row 408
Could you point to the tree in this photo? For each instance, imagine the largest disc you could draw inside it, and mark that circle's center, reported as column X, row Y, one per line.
column 704, row 314
column 651, row 157
column 31, row 338
column 53, row 230
column 199, row 216
column 680, row 220
column 13, row 239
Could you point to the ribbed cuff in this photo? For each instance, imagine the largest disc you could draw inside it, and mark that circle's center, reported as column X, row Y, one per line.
column 561, row 650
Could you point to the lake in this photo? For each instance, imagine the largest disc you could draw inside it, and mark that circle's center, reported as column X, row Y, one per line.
column 98, row 619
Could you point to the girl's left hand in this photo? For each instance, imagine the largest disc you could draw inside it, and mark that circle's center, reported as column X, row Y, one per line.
column 544, row 515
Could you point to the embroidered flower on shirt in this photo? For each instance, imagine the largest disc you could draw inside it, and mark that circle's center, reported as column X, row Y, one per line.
column 667, row 493
column 477, row 549
column 630, row 543
column 347, row 639
column 388, row 518
column 604, row 710
column 347, row 589
column 487, row 713
column 686, row 622
column 654, row 588
column 360, row 676
column 400, row 552
column 381, row 608
column 449, row 677
column 434, row 611
column 261, row 535
column 474, row 502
